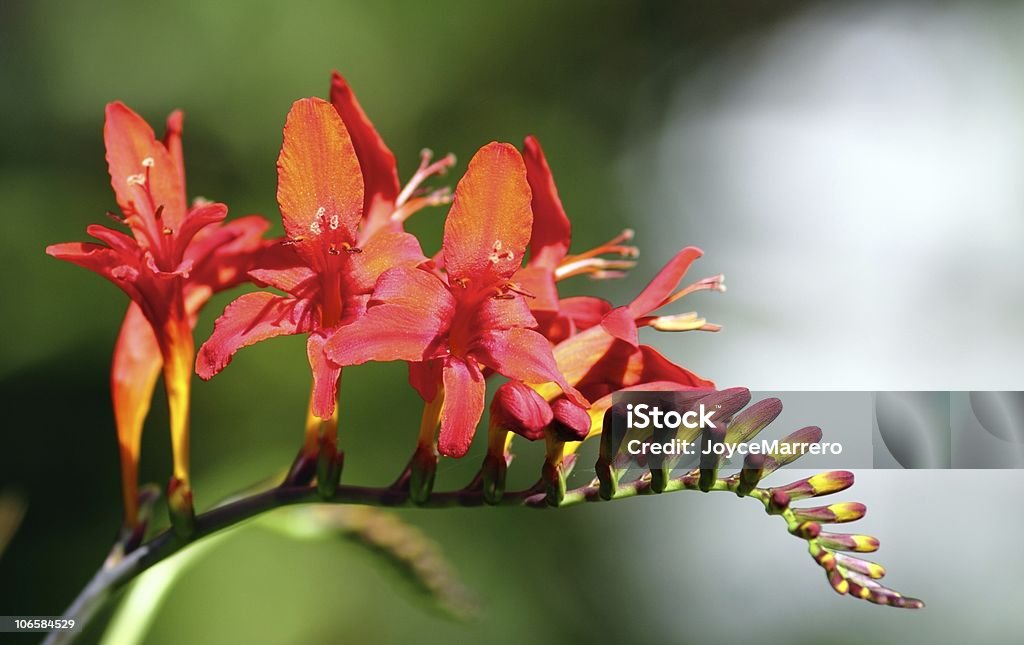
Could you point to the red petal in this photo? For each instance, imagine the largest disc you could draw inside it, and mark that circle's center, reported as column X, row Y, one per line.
column 585, row 311
column 489, row 223
column 648, row 365
column 551, row 228
column 250, row 319
column 525, row 355
column 384, row 250
column 380, row 174
column 320, row 186
column 222, row 256
column 172, row 141
column 113, row 265
column 137, row 363
column 503, row 313
column 619, row 323
column 425, row 377
column 195, row 221
column 664, row 283
column 464, row 391
column 407, row 317
column 282, row 268
column 325, row 377
column 129, row 141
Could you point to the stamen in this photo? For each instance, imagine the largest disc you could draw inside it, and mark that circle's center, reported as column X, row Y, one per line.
column 136, row 180
column 713, row 283
column 148, row 162
column 680, row 322
column 601, row 268
column 314, row 227
column 435, row 198
column 334, row 222
column 424, row 172
column 497, row 255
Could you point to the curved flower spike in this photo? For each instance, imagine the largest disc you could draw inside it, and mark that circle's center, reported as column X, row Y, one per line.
column 175, row 259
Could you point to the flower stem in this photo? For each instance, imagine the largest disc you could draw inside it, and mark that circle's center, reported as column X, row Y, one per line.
column 120, row 570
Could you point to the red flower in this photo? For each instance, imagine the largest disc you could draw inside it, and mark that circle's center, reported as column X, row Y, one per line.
column 550, row 263
column 328, row 265
column 471, row 318
column 175, row 259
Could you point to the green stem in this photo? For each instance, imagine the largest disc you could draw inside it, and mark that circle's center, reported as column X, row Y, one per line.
column 119, row 571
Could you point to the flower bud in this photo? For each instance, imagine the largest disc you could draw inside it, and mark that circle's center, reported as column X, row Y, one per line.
column 518, row 408
column 570, row 422
column 750, row 475
column 709, row 460
column 844, row 542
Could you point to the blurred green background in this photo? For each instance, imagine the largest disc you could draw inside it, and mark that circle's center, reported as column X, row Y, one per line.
column 592, row 80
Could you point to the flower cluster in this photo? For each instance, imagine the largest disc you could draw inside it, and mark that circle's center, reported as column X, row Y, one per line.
column 348, row 277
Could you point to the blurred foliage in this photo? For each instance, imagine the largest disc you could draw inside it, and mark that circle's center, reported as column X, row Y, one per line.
column 452, row 77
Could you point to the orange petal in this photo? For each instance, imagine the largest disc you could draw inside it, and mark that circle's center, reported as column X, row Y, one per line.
column 488, row 226
column 320, row 186
column 137, row 363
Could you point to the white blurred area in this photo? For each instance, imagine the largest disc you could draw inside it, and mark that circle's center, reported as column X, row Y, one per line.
column 857, row 172
column 858, row 175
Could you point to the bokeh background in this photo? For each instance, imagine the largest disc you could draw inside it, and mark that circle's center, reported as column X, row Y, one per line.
column 854, row 169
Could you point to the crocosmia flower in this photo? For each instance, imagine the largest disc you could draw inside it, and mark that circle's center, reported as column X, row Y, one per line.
column 550, row 262
column 176, row 257
column 327, row 266
column 471, row 317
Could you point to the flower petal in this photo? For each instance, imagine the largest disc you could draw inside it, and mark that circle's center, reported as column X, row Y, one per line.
column 649, row 365
column 250, row 319
column 172, row 141
column 380, row 174
column 654, row 295
column 525, row 355
column 137, row 363
column 551, row 229
column 425, row 376
column 325, row 377
column 405, row 320
column 320, row 186
column 133, row 153
column 489, row 223
column 282, row 268
column 464, row 391
column 384, row 250
column 222, row 256
column 585, row 311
